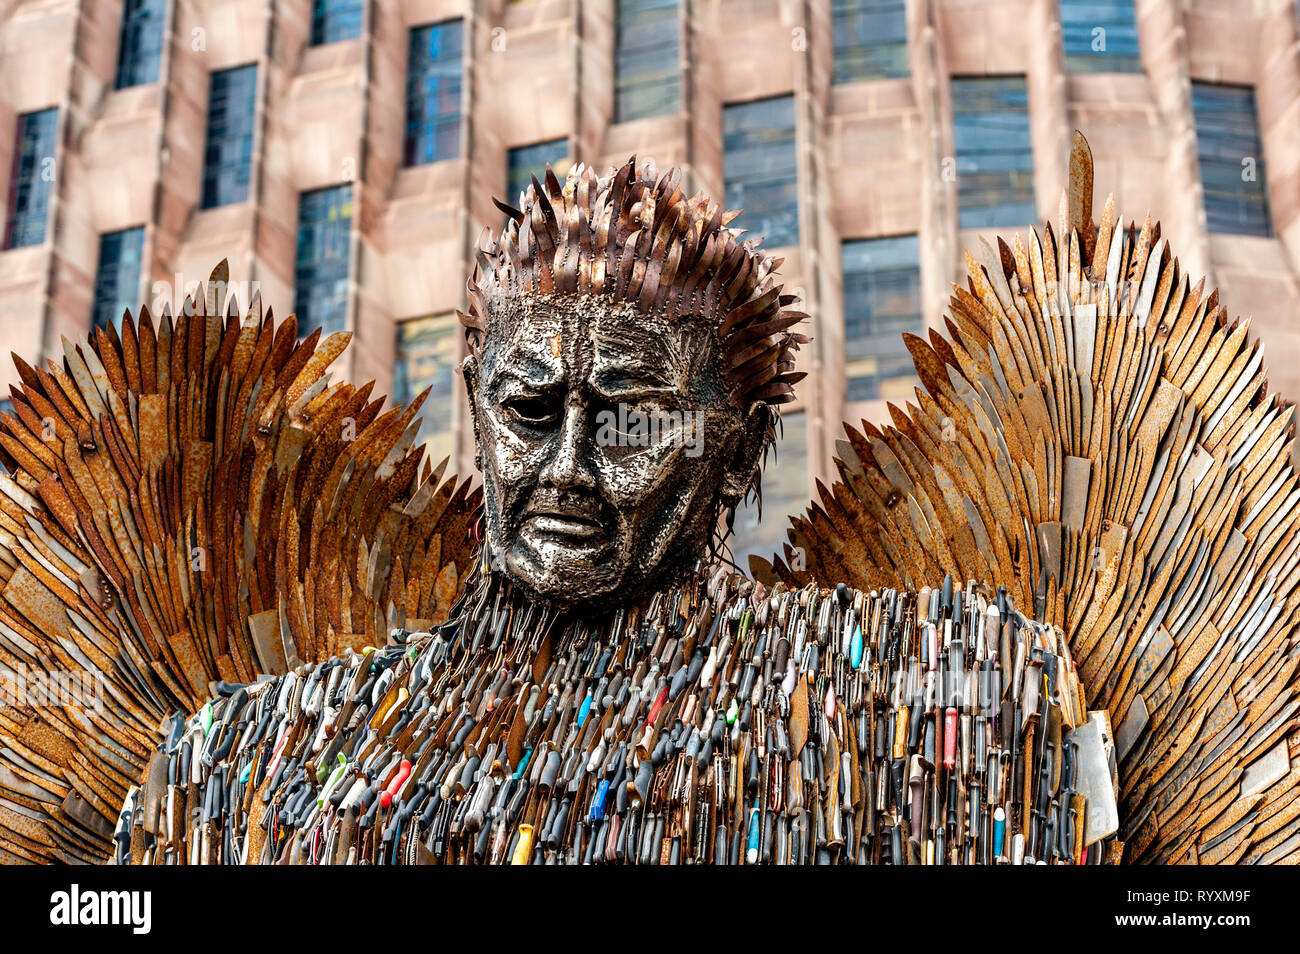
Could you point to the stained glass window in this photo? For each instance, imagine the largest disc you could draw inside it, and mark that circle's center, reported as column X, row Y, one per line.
column 1100, row 36
column 426, row 358
column 647, row 78
column 785, row 493
column 524, row 162
column 433, row 84
column 228, row 155
column 870, row 39
column 882, row 299
column 995, row 160
column 335, row 20
column 139, row 48
column 761, row 168
column 117, row 276
column 30, row 178
column 321, row 271
column 1231, row 159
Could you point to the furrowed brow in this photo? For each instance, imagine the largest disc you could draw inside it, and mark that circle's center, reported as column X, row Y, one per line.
column 627, row 362
column 614, row 381
column 526, row 367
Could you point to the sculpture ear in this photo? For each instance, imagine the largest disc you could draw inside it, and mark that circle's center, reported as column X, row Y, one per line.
column 745, row 462
column 469, row 371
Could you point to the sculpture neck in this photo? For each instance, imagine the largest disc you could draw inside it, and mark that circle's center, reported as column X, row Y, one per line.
column 497, row 618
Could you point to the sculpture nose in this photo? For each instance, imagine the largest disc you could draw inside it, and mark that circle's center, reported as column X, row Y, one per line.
column 570, row 464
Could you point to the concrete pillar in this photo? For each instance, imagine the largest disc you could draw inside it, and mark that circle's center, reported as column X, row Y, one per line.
column 1046, row 81
column 1163, row 43
column 937, row 229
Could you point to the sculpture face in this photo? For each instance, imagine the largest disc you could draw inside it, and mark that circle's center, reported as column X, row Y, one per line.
column 608, row 443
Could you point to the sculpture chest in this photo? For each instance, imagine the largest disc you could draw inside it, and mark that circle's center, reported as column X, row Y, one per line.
column 719, row 723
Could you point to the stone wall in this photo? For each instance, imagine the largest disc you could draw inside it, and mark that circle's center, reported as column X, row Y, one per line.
column 542, row 69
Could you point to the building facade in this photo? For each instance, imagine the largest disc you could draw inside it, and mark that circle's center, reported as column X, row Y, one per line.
column 343, row 154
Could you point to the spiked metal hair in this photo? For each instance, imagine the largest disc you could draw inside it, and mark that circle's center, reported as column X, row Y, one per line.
column 634, row 236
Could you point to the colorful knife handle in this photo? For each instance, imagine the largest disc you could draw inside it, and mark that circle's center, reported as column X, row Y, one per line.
column 403, row 773
column 950, row 738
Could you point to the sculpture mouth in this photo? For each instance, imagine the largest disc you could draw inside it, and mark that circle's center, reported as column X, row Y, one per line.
column 567, row 519
column 565, row 526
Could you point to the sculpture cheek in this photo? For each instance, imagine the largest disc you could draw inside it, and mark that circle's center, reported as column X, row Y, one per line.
column 507, row 453
column 631, row 472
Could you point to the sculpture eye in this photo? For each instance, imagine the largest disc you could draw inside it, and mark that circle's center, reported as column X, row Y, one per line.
column 533, row 411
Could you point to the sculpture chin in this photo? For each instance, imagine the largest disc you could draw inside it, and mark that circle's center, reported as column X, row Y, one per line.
column 546, row 589
column 566, row 564
column 564, row 571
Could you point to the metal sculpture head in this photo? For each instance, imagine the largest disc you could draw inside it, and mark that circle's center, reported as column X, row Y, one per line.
column 627, row 353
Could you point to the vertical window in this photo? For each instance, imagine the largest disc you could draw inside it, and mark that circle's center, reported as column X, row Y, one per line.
column 321, row 270
column 761, row 168
column 1100, row 36
column 785, row 493
column 995, row 161
column 1231, row 159
column 228, row 154
column 524, row 162
column 30, row 178
column 647, row 80
column 117, row 277
column 426, row 358
column 870, row 39
column 335, row 20
column 882, row 299
column 140, row 45
column 433, row 93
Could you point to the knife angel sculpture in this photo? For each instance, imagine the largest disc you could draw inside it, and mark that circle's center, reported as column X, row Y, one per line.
column 192, row 504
